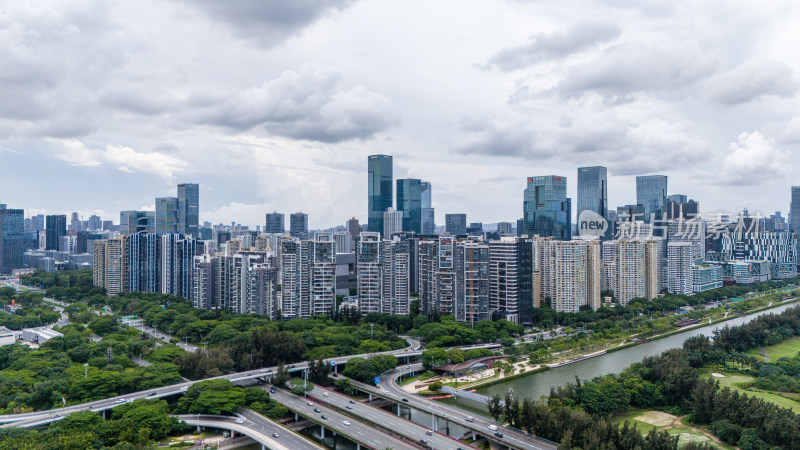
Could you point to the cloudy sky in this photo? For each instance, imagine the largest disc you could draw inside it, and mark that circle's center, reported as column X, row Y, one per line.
column 275, row 105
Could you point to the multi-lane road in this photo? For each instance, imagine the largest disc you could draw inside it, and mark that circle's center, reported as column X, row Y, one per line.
column 256, row 426
column 385, row 419
column 389, row 389
column 333, row 420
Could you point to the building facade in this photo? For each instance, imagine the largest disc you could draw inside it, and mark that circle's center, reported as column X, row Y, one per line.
column 379, row 190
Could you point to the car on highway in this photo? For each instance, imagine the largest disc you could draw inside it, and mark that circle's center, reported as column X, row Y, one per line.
column 309, row 404
column 423, row 441
column 275, row 435
column 352, row 402
column 346, row 423
column 469, row 419
column 349, row 407
column 239, row 421
column 499, row 434
column 185, row 388
column 405, row 399
column 122, row 400
column 272, row 390
column 323, row 417
column 429, row 432
column 324, row 394
column 317, row 410
column 408, row 367
column 493, row 427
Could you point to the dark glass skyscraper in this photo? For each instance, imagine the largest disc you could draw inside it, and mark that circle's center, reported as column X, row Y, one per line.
column 794, row 211
column 298, row 225
column 379, row 170
column 428, row 220
column 189, row 212
column 651, row 193
column 455, row 224
column 593, row 192
column 12, row 238
column 275, row 223
column 546, row 209
column 409, row 202
column 56, row 227
column 167, row 215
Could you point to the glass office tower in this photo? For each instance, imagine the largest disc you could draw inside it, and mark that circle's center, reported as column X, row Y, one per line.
column 428, row 220
column 547, row 211
column 12, row 238
column 593, row 192
column 651, row 193
column 409, row 202
column 167, row 221
column 189, row 213
column 379, row 169
column 56, row 227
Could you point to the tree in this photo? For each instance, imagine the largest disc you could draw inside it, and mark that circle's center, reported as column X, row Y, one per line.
column 495, row 407
column 217, row 396
column 433, row 357
column 343, row 385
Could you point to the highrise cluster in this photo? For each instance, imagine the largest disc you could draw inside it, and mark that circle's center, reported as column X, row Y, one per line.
column 563, row 255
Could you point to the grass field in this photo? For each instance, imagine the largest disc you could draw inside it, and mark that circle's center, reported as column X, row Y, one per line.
column 787, row 348
column 732, row 379
column 649, row 420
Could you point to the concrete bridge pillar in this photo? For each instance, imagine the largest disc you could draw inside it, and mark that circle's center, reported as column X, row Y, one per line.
column 370, row 397
column 322, row 432
column 296, row 417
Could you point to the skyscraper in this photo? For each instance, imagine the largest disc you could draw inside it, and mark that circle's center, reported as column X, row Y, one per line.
column 133, row 222
column 379, row 171
column 392, row 222
column 574, row 274
column 794, row 211
column 56, row 227
column 593, row 192
column 455, row 224
column 651, row 193
column 189, row 214
column 167, row 221
column 369, row 272
column 275, row 223
column 409, row 202
column 428, row 220
column 546, row 209
column 511, row 279
column 12, row 238
column 298, row 225
column 679, row 267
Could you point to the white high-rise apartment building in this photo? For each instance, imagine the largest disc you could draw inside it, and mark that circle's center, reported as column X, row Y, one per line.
column 392, row 222
column 574, row 272
column 368, row 266
column 631, row 268
column 323, row 274
column 679, row 267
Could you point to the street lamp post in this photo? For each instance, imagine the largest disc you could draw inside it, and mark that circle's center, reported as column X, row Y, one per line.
column 85, row 370
column 370, row 330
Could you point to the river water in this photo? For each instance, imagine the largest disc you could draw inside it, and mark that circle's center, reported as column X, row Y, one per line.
column 536, row 385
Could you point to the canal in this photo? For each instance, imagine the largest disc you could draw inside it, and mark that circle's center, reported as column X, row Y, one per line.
column 536, row 385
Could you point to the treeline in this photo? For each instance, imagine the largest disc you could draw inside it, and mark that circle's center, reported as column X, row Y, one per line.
column 130, row 426
column 38, row 379
column 68, row 286
column 667, row 381
column 782, row 375
column 605, row 317
column 31, row 310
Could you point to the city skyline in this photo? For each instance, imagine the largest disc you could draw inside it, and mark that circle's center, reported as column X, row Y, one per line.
column 110, row 118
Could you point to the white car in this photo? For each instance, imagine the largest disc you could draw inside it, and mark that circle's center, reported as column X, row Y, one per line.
column 346, row 423
column 309, row 404
column 239, row 421
column 324, row 394
column 185, row 388
column 122, row 400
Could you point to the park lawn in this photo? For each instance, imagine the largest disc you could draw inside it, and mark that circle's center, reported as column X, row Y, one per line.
column 787, row 348
column 644, row 427
column 732, row 379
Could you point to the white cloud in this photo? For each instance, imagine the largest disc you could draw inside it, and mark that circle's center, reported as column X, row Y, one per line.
column 124, row 159
column 312, row 103
column 752, row 80
column 752, row 160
